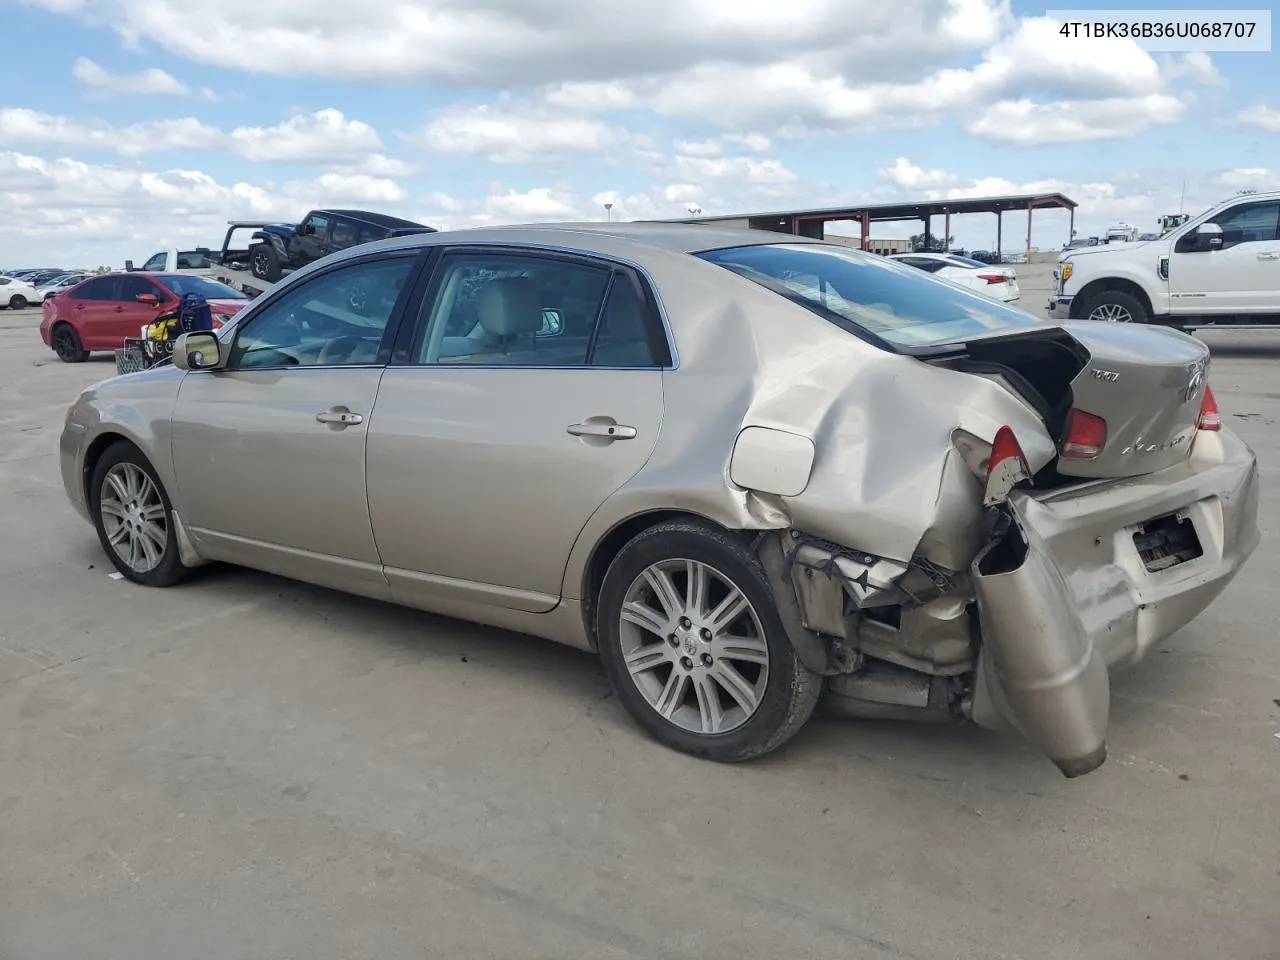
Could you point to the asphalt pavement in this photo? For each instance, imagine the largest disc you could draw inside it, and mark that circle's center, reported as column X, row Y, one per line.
column 247, row 767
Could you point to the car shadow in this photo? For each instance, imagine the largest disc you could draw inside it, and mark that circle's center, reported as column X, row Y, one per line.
column 945, row 752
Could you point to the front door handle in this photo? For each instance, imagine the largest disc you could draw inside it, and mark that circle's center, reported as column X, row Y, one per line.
column 606, row 428
column 339, row 417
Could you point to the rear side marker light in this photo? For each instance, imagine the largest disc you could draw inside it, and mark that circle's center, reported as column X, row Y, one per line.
column 1210, row 419
column 1086, row 436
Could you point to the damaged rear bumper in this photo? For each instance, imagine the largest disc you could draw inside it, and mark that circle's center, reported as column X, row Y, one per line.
column 1086, row 580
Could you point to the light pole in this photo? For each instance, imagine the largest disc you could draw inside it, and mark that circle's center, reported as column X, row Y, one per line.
column 608, row 212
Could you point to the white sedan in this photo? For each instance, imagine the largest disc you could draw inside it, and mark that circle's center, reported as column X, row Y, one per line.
column 17, row 293
column 58, row 284
column 997, row 282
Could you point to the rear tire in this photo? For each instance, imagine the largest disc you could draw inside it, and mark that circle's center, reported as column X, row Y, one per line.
column 264, row 262
column 67, row 345
column 698, row 678
column 18, row 302
column 1116, row 306
column 134, row 518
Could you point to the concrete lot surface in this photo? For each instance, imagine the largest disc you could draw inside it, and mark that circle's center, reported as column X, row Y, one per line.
column 245, row 767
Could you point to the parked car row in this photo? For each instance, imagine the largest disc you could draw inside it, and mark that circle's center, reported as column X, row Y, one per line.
column 23, row 288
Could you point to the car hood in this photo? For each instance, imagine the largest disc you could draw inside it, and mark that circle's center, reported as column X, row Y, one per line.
column 1104, row 248
column 279, row 229
column 228, row 307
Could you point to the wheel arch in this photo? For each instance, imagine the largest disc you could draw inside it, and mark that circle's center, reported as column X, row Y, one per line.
column 1081, row 302
column 93, row 453
column 611, row 543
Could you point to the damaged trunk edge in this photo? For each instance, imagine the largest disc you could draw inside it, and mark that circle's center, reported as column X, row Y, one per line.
column 995, row 643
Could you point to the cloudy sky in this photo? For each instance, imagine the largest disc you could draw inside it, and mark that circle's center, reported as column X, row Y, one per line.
column 130, row 125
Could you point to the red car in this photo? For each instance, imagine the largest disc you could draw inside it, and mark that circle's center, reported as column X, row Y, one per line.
column 99, row 313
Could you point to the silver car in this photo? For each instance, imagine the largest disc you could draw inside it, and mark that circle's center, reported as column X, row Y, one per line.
column 744, row 467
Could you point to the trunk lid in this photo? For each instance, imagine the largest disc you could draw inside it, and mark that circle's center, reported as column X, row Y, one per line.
column 1146, row 382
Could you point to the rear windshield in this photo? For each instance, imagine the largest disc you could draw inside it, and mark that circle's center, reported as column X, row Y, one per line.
column 871, row 296
column 966, row 261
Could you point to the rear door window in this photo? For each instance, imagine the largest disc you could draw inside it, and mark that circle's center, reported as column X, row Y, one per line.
column 101, row 288
column 343, row 235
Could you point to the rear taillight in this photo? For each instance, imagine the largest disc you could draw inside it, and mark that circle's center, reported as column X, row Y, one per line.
column 1006, row 466
column 1210, row 419
column 993, row 278
column 1086, row 436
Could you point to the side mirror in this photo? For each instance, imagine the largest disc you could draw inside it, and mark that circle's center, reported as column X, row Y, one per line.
column 197, row 351
column 150, row 299
column 1208, row 236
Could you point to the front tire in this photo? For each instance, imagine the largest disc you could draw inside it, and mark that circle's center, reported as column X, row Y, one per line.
column 264, row 262
column 134, row 518
column 18, row 302
column 693, row 645
column 1116, row 306
column 67, row 345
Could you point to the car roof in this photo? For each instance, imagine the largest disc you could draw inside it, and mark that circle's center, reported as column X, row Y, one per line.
column 366, row 216
column 598, row 237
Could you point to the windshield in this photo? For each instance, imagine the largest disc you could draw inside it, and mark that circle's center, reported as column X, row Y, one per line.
column 871, row 295
column 203, row 287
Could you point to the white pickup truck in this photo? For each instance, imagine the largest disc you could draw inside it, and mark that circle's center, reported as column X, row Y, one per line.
column 1221, row 268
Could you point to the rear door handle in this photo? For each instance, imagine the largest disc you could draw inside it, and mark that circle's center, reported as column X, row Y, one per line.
column 1269, row 255
column 604, row 427
column 339, row 416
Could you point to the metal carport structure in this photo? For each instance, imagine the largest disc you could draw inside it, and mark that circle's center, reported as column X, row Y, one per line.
column 810, row 223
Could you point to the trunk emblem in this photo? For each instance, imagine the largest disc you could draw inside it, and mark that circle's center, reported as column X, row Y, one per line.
column 1107, row 376
column 1195, row 382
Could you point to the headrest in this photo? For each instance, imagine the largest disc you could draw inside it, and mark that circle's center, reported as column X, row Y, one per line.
column 509, row 305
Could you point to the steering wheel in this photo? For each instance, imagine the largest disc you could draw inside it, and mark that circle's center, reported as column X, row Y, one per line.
column 339, row 350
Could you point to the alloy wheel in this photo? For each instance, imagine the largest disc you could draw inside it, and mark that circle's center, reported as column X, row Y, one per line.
column 133, row 517
column 694, row 646
column 64, row 345
column 1111, row 313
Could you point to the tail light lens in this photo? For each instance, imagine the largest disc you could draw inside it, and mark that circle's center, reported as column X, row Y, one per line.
column 1086, row 436
column 1210, row 419
column 993, row 278
column 1006, row 466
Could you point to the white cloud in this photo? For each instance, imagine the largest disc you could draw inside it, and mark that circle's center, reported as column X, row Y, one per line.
column 505, row 42
column 377, row 165
column 1250, row 178
column 745, row 170
column 1026, row 123
column 147, row 83
column 507, row 135
column 323, row 136
column 329, row 188
column 1195, row 66
column 903, row 173
column 536, row 204
column 22, row 126
column 1260, row 115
